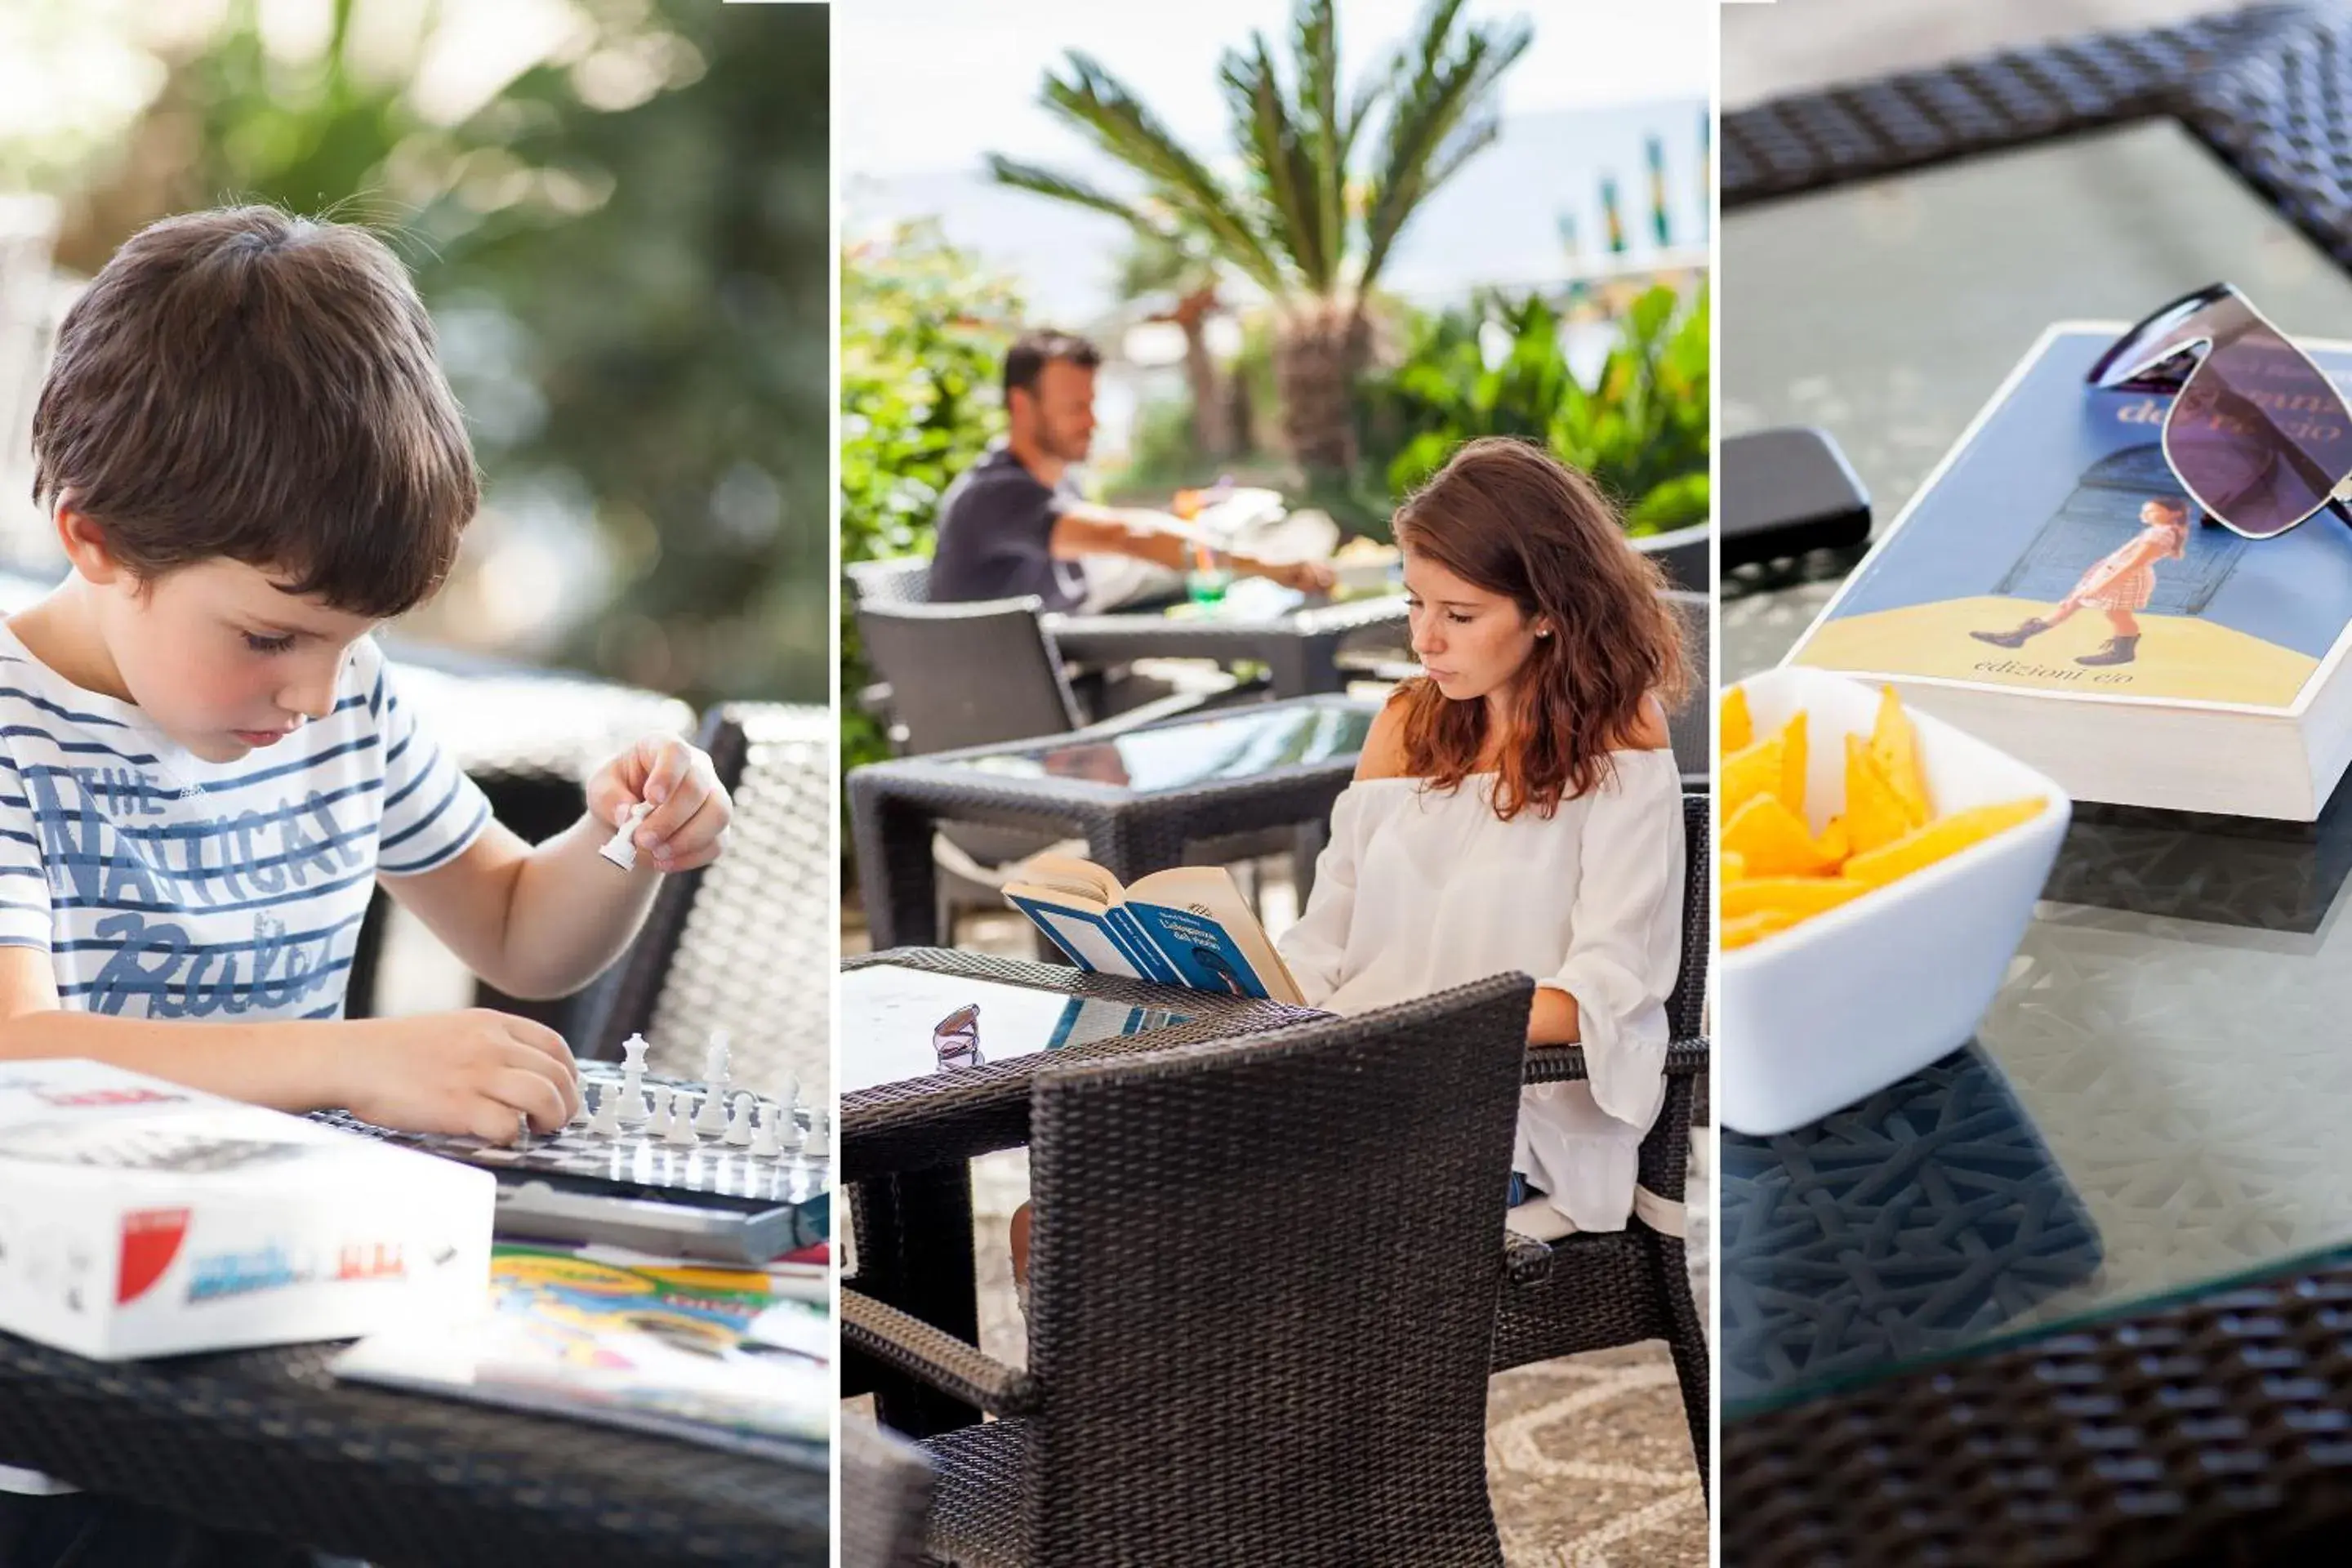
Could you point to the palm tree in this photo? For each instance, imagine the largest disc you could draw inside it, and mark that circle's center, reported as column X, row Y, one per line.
column 1185, row 275
column 1301, row 226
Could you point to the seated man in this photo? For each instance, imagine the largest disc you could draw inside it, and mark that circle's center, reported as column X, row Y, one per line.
column 1014, row 524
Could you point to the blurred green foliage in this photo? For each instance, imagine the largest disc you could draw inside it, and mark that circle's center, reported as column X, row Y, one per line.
column 923, row 334
column 1640, row 426
column 626, row 252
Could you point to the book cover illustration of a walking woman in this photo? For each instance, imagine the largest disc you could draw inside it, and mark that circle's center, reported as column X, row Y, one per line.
column 2054, row 550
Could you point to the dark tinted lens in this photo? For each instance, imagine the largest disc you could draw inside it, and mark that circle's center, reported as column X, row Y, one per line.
column 2258, row 436
column 2153, row 353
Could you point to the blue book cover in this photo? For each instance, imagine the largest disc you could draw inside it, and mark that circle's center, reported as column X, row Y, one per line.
column 1203, row 952
column 1106, row 943
column 2055, row 530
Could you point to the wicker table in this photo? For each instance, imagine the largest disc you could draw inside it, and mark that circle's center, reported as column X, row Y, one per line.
column 910, row 1124
column 1299, row 646
column 2072, row 1294
column 1138, row 797
column 268, row 1442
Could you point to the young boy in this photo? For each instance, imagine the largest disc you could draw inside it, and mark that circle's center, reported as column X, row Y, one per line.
column 253, row 460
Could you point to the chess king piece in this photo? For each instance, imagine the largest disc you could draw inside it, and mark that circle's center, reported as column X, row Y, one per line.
column 712, row 1122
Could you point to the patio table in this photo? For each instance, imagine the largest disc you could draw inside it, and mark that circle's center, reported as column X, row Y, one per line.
column 1137, row 797
column 2076, row 1293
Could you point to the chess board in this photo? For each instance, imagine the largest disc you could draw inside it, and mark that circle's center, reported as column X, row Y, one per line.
column 633, row 1188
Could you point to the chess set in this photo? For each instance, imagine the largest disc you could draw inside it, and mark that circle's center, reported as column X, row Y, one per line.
column 691, row 1168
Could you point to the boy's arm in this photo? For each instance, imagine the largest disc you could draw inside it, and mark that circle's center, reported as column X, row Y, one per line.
column 469, row 1072
column 536, row 922
column 542, row 922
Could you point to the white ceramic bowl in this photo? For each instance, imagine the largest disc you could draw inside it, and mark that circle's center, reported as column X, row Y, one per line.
column 1842, row 1005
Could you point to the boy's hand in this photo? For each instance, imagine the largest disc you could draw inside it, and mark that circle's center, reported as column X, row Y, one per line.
column 687, row 825
column 476, row 1073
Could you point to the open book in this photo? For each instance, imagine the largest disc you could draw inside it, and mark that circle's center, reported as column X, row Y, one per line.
column 1189, row 926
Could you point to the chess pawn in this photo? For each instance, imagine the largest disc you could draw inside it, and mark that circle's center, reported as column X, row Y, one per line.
column 681, row 1123
column 657, row 1124
column 711, row 1120
column 739, row 1127
column 621, row 849
column 769, row 1141
column 818, row 1145
column 607, row 1120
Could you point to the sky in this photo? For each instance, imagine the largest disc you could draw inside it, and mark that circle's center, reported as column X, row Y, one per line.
column 923, row 86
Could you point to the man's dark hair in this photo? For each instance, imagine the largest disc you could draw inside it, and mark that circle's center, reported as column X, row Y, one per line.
column 1026, row 360
column 246, row 384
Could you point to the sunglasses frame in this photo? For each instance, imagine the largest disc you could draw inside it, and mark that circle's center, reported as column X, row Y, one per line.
column 2141, row 374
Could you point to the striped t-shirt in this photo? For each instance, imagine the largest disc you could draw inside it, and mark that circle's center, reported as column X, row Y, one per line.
column 162, row 886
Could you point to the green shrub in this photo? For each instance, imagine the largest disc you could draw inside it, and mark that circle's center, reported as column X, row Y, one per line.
column 1640, row 428
column 923, row 334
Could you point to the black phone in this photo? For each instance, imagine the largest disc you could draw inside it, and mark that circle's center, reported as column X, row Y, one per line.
column 1785, row 491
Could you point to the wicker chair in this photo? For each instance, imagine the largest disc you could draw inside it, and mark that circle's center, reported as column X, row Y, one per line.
column 1263, row 1275
column 886, row 1496
column 904, row 581
column 746, row 945
column 1589, row 1292
column 1690, row 730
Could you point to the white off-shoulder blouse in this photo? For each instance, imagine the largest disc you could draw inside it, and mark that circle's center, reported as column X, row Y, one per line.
column 1419, row 891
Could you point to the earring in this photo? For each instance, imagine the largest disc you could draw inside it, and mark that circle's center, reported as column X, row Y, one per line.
column 1545, row 633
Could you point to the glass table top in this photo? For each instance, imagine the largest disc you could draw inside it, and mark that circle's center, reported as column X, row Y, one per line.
column 1194, row 752
column 2158, row 1099
column 897, row 1023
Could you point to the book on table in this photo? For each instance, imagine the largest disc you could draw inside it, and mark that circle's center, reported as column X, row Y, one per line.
column 1188, row 926
column 733, row 1358
column 2054, row 589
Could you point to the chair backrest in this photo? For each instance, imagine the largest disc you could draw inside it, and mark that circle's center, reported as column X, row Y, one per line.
column 968, row 675
column 747, row 943
column 1691, row 730
column 1262, row 1279
column 1688, row 554
column 904, row 581
column 886, row 1493
column 1686, row 1003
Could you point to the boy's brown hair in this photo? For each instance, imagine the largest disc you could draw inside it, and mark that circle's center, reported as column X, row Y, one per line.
column 247, row 383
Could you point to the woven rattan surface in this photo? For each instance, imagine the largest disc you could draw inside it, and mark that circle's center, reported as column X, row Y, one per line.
column 1235, row 1356
column 895, row 807
column 904, row 1147
column 269, row 1441
column 2204, row 1429
column 886, row 1499
column 747, row 944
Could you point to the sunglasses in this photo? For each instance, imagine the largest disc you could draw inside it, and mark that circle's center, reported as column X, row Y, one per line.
column 956, row 1037
column 2257, row 433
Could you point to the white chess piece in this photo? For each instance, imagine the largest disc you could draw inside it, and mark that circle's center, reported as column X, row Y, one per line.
column 818, row 1145
column 739, row 1126
column 716, row 1056
column 681, row 1123
column 621, row 849
column 607, row 1120
column 657, row 1124
column 712, row 1121
column 633, row 1112
column 769, row 1141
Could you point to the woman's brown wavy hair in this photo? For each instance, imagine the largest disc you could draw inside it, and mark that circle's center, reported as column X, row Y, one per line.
column 1510, row 518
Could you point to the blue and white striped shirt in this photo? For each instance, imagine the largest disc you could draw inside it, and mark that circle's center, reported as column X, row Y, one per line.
column 162, row 886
